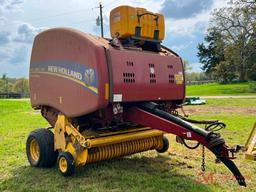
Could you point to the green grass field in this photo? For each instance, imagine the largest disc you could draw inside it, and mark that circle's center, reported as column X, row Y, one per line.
column 176, row 170
column 215, row 89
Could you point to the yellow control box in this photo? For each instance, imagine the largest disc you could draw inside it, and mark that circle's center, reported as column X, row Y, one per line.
column 127, row 21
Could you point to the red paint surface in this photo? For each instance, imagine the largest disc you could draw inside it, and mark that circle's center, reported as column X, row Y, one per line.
column 142, row 89
column 144, row 118
column 77, row 47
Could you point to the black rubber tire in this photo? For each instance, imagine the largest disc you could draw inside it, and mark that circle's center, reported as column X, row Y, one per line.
column 165, row 145
column 70, row 163
column 45, row 140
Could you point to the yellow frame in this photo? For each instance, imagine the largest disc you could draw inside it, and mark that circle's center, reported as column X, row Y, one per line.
column 251, row 148
column 78, row 145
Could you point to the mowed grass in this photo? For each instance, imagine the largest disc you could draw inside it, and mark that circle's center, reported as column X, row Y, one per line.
column 215, row 89
column 176, row 170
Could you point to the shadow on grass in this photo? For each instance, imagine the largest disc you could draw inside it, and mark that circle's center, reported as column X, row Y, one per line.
column 122, row 174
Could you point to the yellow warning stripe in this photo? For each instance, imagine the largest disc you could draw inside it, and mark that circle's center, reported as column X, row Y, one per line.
column 94, row 89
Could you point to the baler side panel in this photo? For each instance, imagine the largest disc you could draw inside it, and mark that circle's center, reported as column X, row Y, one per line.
column 145, row 76
column 68, row 72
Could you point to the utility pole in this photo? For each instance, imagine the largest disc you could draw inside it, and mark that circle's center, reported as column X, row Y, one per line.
column 101, row 20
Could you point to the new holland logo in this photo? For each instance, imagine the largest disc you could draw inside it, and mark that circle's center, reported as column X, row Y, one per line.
column 89, row 76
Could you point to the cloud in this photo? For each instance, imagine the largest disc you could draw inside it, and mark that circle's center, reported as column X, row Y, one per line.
column 2, row 19
column 186, row 21
column 5, row 53
column 11, row 5
column 5, row 37
column 194, row 22
column 180, row 47
column 14, row 59
column 15, row 49
column 26, row 33
column 19, row 55
column 188, row 26
column 196, row 67
column 179, row 9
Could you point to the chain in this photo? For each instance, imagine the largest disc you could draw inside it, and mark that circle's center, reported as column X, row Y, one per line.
column 203, row 159
column 203, row 156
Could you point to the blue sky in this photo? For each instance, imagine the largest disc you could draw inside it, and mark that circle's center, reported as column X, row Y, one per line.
column 186, row 22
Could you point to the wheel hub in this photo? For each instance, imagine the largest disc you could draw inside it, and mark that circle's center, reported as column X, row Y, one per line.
column 34, row 150
column 63, row 164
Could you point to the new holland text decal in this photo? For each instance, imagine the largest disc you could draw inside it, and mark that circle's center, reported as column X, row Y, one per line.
column 78, row 73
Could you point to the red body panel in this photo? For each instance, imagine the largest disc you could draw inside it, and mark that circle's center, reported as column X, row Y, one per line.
column 77, row 73
column 68, row 53
column 146, row 76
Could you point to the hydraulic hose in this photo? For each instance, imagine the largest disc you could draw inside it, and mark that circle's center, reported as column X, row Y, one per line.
column 213, row 141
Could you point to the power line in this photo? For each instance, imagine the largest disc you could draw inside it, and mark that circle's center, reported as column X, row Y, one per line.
column 52, row 16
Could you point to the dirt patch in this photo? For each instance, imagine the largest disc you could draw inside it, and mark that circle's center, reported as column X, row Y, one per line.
column 204, row 109
column 34, row 112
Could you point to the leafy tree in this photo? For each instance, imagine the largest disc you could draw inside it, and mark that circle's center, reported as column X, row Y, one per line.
column 21, row 86
column 5, row 84
column 223, row 72
column 251, row 72
column 197, row 76
column 187, row 66
column 236, row 24
column 230, row 49
column 2, row 85
column 211, row 53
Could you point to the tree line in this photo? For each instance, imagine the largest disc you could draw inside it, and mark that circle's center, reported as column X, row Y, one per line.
column 14, row 85
column 229, row 50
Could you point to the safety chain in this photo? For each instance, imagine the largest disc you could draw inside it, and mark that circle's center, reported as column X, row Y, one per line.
column 203, row 154
column 203, row 159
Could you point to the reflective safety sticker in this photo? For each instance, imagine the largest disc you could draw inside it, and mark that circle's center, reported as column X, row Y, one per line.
column 117, row 97
column 178, row 78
